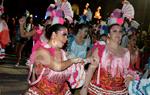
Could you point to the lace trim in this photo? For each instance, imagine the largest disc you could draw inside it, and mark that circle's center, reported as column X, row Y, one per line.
column 100, row 91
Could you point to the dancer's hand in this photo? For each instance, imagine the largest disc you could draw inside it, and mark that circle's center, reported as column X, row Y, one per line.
column 76, row 60
column 95, row 58
column 93, row 61
column 84, row 91
column 127, row 80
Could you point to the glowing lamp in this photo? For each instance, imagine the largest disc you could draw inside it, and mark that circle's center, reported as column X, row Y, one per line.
column 97, row 13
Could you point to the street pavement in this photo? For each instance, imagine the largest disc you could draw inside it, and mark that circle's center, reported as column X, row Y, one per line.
column 12, row 79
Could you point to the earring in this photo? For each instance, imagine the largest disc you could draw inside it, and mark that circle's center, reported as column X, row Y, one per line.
column 108, row 36
column 54, row 42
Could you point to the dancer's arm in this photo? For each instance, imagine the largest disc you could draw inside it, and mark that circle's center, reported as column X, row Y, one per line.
column 94, row 64
column 129, row 75
column 43, row 57
column 23, row 33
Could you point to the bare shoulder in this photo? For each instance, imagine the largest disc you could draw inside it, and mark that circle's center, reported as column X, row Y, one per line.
column 41, row 51
column 42, row 56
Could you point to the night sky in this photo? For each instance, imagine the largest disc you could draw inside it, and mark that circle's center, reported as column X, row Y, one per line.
column 18, row 7
column 38, row 7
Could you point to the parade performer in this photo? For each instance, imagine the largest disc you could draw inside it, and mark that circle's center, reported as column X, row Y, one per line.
column 60, row 11
column 4, row 33
column 110, row 75
column 52, row 69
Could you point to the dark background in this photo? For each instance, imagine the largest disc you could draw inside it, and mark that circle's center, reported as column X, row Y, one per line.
column 38, row 7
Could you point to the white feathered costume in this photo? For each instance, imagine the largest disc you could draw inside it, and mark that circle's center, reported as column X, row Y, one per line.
column 59, row 11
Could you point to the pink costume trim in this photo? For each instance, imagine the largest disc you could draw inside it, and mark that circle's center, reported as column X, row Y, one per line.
column 100, row 91
column 103, row 54
column 77, row 77
column 1, row 9
column 121, row 64
column 37, row 45
column 38, row 79
column 120, row 21
column 32, row 59
column 100, row 52
column 133, row 74
column 38, row 34
column 77, row 74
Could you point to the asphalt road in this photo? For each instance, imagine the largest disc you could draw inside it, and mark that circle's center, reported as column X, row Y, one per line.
column 12, row 79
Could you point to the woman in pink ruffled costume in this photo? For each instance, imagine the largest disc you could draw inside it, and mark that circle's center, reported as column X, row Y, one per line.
column 50, row 70
column 109, row 74
column 4, row 37
column 60, row 12
column 4, row 33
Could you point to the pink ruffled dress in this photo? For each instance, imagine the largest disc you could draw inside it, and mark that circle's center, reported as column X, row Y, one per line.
column 4, row 34
column 50, row 82
column 110, row 74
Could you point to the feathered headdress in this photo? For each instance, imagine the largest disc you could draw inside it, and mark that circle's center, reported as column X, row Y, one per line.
column 116, row 17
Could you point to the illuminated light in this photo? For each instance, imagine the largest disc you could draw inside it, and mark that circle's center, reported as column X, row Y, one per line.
column 35, row 16
column 27, row 13
column 31, row 15
column 97, row 13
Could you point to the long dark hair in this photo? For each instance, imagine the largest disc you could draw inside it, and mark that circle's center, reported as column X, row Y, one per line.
column 54, row 28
